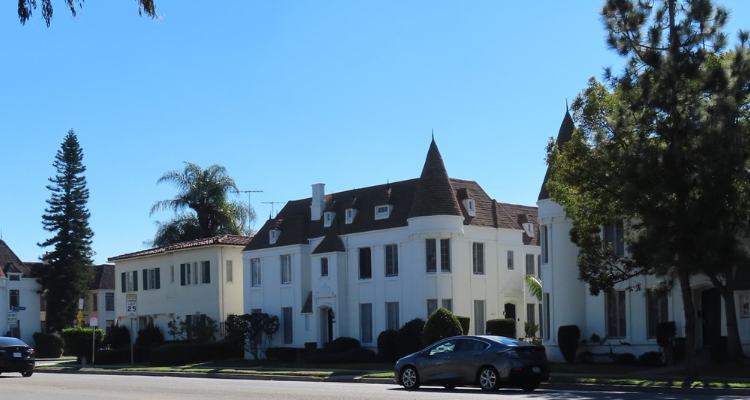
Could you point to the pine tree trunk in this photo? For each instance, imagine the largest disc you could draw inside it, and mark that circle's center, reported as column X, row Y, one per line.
column 734, row 344
column 691, row 370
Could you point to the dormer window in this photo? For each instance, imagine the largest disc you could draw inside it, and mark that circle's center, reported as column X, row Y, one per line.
column 328, row 217
column 383, row 212
column 471, row 207
column 350, row 214
column 14, row 277
column 273, row 236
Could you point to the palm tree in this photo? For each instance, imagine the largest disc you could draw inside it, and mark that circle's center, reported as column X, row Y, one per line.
column 535, row 285
column 205, row 192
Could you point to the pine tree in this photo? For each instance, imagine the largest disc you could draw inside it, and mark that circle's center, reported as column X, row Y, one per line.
column 67, row 273
column 663, row 148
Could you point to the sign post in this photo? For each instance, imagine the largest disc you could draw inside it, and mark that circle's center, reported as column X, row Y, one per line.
column 131, row 307
column 93, row 323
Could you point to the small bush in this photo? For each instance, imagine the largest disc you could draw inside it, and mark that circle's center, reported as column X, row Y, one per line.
column 122, row 355
column 502, row 327
column 567, row 339
column 118, row 336
column 352, row 356
column 285, row 354
column 465, row 324
column 387, row 345
column 78, row 341
column 47, row 345
column 441, row 324
column 342, row 345
column 650, row 359
column 409, row 337
column 149, row 336
column 190, row 353
column 586, row 357
column 625, row 359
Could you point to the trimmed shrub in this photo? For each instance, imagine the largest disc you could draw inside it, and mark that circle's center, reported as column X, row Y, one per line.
column 122, row 355
column 409, row 337
column 118, row 336
column 190, row 353
column 465, row 324
column 351, row 356
column 441, row 324
column 502, row 327
column 586, row 357
column 285, row 354
column 387, row 345
column 78, row 341
column 342, row 345
column 149, row 336
column 47, row 345
column 567, row 339
column 665, row 333
column 625, row 359
column 650, row 359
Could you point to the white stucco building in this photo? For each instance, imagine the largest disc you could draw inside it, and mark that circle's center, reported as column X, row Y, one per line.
column 202, row 276
column 355, row 263
column 19, row 297
column 628, row 316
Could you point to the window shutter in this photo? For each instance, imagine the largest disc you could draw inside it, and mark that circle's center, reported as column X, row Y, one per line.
column 145, row 279
column 182, row 274
column 135, row 281
column 124, row 282
column 157, row 274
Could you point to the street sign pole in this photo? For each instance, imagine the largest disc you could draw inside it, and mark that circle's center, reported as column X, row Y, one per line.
column 131, row 307
column 93, row 323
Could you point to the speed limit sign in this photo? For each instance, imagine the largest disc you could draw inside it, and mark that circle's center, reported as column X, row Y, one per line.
column 131, row 305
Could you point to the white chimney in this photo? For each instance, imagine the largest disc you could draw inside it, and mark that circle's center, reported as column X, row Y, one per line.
column 318, row 201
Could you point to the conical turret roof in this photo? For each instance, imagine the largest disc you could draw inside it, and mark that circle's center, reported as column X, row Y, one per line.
column 566, row 132
column 435, row 195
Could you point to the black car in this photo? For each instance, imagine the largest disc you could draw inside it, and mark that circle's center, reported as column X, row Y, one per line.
column 16, row 356
column 486, row 361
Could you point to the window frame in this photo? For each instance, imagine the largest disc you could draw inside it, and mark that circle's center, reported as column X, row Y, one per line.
column 365, row 322
column 255, row 273
column 324, row 266
column 365, row 263
column 286, row 269
column 615, row 308
column 477, row 258
column 510, row 259
column 445, row 255
column 391, row 260
column 392, row 317
column 431, row 256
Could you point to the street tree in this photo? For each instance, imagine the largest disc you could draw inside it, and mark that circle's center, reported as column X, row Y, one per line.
column 67, row 272
column 26, row 8
column 660, row 153
column 202, row 206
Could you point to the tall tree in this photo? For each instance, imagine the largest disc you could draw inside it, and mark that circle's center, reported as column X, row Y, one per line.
column 68, row 273
column 204, row 192
column 662, row 148
column 26, row 8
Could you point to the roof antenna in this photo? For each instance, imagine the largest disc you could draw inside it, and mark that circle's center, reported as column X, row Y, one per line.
column 567, row 109
column 433, row 134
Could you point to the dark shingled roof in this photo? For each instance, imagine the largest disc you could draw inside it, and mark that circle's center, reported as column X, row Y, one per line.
column 297, row 229
column 10, row 263
column 435, row 195
column 563, row 135
column 104, row 277
column 230, row 240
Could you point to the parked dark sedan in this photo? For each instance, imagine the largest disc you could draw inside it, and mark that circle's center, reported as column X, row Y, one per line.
column 16, row 356
column 486, row 361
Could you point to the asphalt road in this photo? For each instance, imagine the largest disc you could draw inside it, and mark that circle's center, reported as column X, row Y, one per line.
column 48, row 386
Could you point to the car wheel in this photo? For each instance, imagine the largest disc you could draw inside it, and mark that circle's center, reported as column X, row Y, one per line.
column 488, row 379
column 409, row 378
column 27, row 374
column 449, row 386
column 530, row 386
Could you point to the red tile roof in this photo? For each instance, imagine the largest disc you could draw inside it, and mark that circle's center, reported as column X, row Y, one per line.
column 226, row 240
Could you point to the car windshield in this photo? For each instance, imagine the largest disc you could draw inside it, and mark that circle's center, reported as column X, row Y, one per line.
column 11, row 341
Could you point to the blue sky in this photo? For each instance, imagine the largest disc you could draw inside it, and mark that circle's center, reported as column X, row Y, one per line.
column 284, row 94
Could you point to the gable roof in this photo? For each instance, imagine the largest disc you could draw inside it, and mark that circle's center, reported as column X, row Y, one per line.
column 226, row 240
column 104, row 277
column 563, row 136
column 440, row 195
column 10, row 263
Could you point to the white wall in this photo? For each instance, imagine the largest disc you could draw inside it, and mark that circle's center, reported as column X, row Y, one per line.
column 28, row 297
